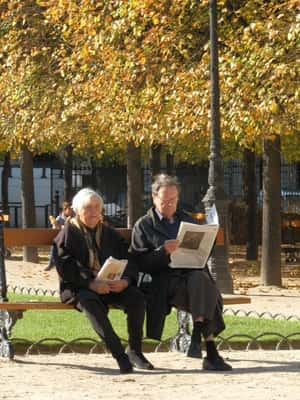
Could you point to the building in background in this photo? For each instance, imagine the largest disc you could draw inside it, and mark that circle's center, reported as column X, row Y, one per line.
column 110, row 181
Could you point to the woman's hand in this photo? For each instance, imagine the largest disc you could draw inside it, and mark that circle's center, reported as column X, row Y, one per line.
column 117, row 285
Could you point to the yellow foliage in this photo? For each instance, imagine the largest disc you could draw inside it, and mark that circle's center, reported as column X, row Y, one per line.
column 274, row 107
column 97, row 74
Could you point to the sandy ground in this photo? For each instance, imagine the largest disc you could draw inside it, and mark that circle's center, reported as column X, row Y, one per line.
column 257, row 374
column 268, row 375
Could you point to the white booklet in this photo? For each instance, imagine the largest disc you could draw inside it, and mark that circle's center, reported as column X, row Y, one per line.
column 112, row 269
column 196, row 243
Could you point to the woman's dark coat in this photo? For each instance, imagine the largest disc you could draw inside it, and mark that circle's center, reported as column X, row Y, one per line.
column 72, row 259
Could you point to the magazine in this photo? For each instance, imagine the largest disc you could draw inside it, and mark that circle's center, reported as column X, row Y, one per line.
column 196, row 243
column 112, row 269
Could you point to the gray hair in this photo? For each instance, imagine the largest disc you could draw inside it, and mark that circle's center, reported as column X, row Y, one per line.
column 83, row 197
column 164, row 180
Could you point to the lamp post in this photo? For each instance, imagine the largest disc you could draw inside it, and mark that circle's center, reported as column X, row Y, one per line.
column 218, row 262
column 3, row 289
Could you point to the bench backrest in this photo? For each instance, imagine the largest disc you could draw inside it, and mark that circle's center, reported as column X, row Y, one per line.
column 35, row 237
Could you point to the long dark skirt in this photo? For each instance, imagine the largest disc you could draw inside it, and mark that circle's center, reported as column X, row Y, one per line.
column 195, row 291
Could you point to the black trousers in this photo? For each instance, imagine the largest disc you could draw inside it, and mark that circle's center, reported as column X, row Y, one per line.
column 95, row 307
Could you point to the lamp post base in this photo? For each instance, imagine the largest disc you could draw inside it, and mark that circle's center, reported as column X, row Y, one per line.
column 218, row 262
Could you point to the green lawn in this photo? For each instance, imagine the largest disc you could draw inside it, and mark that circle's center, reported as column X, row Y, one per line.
column 69, row 325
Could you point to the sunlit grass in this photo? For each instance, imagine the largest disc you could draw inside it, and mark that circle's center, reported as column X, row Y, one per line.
column 69, row 325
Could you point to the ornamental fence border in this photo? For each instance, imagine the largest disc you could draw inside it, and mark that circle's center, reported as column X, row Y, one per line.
column 87, row 345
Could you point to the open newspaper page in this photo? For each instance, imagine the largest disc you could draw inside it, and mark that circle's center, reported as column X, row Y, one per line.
column 196, row 243
column 112, row 269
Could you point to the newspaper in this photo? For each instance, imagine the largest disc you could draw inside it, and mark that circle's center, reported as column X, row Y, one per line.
column 112, row 269
column 196, row 243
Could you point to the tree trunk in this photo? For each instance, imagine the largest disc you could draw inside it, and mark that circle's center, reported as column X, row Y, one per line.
column 170, row 164
column 134, row 184
column 4, row 182
column 271, row 223
column 27, row 200
column 155, row 164
column 68, row 169
column 251, row 204
column 93, row 182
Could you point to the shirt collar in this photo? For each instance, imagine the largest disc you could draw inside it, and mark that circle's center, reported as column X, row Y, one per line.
column 161, row 217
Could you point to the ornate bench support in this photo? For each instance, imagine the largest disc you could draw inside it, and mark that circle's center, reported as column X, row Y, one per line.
column 6, row 322
column 181, row 341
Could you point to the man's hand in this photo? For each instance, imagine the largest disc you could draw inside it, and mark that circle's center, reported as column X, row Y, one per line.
column 101, row 287
column 118, row 285
column 171, row 245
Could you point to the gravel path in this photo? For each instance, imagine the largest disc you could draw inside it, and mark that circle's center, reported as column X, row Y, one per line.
column 268, row 375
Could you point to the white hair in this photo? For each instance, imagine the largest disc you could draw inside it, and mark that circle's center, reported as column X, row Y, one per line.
column 83, row 197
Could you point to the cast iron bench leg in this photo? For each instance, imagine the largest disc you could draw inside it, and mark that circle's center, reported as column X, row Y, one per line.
column 6, row 322
column 181, row 341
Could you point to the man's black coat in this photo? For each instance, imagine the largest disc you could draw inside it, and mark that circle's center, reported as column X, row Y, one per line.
column 148, row 237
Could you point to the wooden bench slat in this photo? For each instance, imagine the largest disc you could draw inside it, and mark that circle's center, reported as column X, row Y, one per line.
column 54, row 305
column 44, row 237
column 35, row 305
column 28, row 236
column 220, row 237
column 40, row 236
column 235, row 299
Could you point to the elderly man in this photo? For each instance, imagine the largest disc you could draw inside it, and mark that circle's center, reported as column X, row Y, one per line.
column 81, row 249
column 193, row 290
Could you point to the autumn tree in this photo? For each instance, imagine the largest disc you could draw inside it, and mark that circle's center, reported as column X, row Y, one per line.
column 260, row 102
column 28, row 91
column 154, row 61
column 250, row 198
column 103, row 74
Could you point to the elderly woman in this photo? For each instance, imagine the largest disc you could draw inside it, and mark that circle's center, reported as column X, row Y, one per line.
column 81, row 248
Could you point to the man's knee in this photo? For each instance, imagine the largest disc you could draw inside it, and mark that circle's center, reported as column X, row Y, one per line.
column 135, row 298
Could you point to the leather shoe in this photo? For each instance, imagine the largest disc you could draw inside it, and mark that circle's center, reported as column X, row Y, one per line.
column 138, row 359
column 124, row 364
column 194, row 350
column 218, row 364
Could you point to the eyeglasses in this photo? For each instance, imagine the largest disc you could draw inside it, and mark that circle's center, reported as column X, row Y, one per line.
column 167, row 202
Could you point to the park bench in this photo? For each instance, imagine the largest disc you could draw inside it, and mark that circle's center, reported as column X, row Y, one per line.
column 290, row 237
column 10, row 312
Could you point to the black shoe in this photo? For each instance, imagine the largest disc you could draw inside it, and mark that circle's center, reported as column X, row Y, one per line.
column 124, row 364
column 218, row 364
column 194, row 350
column 138, row 359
